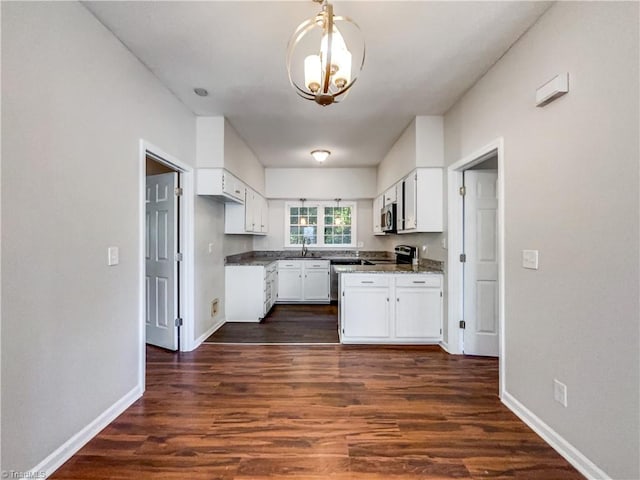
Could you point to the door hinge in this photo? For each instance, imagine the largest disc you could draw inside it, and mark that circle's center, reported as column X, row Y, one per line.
column 178, row 322
column 178, row 191
column 463, row 257
column 440, row 293
column 463, row 324
column 440, row 331
column 178, row 257
column 463, row 191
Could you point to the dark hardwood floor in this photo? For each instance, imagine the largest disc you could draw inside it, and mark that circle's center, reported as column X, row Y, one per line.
column 239, row 412
column 284, row 324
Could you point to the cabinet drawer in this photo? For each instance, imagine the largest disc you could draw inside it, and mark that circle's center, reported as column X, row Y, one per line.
column 350, row 280
column 419, row 281
column 289, row 264
column 316, row 264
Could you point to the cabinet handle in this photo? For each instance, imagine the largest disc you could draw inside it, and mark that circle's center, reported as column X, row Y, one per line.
column 366, row 281
column 387, row 299
column 419, row 281
column 237, row 191
column 397, row 299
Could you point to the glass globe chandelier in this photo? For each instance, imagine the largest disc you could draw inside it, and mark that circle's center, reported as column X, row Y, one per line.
column 328, row 70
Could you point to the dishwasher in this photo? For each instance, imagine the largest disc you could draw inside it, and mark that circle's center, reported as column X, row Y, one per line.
column 334, row 274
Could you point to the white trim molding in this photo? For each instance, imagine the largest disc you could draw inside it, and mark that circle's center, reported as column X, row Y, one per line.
column 200, row 340
column 455, row 278
column 554, row 439
column 187, row 242
column 80, row 439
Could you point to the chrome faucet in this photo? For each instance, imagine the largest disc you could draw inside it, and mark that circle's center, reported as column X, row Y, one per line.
column 304, row 247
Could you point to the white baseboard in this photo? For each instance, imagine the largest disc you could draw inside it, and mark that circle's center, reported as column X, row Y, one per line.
column 80, row 439
column 208, row 333
column 445, row 346
column 553, row 438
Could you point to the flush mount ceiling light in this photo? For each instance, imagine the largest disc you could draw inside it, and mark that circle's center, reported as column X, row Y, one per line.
column 320, row 155
column 319, row 63
column 201, row 92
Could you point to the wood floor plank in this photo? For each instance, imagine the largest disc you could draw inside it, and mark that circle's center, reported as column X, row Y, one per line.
column 240, row 412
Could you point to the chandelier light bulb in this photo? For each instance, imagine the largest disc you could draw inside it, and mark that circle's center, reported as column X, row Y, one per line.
column 320, row 65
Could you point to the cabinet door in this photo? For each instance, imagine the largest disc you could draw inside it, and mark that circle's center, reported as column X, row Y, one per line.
column 378, row 204
column 429, row 200
column 390, row 196
column 232, row 186
column 418, row 313
column 366, row 312
column 409, row 201
column 290, row 284
column 249, row 210
column 264, row 215
column 316, row 284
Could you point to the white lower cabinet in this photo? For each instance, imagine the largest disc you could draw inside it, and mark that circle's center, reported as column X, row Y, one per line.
column 289, row 281
column 250, row 292
column 303, row 281
column 391, row 308
column 366, row 305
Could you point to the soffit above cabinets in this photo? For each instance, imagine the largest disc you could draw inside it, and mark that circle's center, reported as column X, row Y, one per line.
column 421, row 57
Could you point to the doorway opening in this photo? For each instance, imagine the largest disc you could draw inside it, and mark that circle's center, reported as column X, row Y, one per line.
column 162, row 254
column 162, row 163
column 476, row 254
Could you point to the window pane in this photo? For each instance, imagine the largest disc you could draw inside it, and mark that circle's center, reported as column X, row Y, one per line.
column 294, row 230
column 313, row 220
column 346, row 239
column 347, row 230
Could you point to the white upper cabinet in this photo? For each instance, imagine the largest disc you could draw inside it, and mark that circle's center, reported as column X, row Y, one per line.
column 422, row 202
column 378, row 203
column 217, row 182
column 417, row 159
column 390, row 196
column 249, row 217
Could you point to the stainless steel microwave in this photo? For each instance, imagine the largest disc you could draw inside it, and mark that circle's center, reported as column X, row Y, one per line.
column 388, row 218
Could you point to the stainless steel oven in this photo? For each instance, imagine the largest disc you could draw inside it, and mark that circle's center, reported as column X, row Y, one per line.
column 388, row 218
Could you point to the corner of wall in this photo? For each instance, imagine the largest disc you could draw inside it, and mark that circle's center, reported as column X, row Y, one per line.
column 210, row 142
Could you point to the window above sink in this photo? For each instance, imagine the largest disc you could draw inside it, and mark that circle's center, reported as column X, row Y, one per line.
column 320, row 224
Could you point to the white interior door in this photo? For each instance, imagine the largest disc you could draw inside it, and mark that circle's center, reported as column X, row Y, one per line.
column 161, row 265
column 481, row 334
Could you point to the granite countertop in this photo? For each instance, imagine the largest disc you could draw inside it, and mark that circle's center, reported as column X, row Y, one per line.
column 384, row 262
column 393, row 268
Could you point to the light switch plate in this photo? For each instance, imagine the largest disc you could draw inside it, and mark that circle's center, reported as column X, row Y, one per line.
column 113, row 256
column 530, row 259
column 559, row 392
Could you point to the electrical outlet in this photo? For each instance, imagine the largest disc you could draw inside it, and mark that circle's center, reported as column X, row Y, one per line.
column 360, row 244
column 214, row 307
column 560, row 392
column 444, row 242
column 211, row 248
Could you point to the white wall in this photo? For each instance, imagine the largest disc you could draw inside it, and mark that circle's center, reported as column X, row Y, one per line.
column 399, row 161
column 219, row 145
column 210, row 142
column 74, row 101
column 571, row 191
column 209, row 222
column 321, row 183
column 241, row 161
column 429, row 141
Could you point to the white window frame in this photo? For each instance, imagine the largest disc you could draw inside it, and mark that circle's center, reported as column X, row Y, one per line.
column 320, row 235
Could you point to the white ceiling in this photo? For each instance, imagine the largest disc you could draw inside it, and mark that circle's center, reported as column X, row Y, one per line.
column 421, row 57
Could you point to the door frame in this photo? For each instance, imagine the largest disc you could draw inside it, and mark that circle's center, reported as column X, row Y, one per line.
column 186, row 232
column 455, row 273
